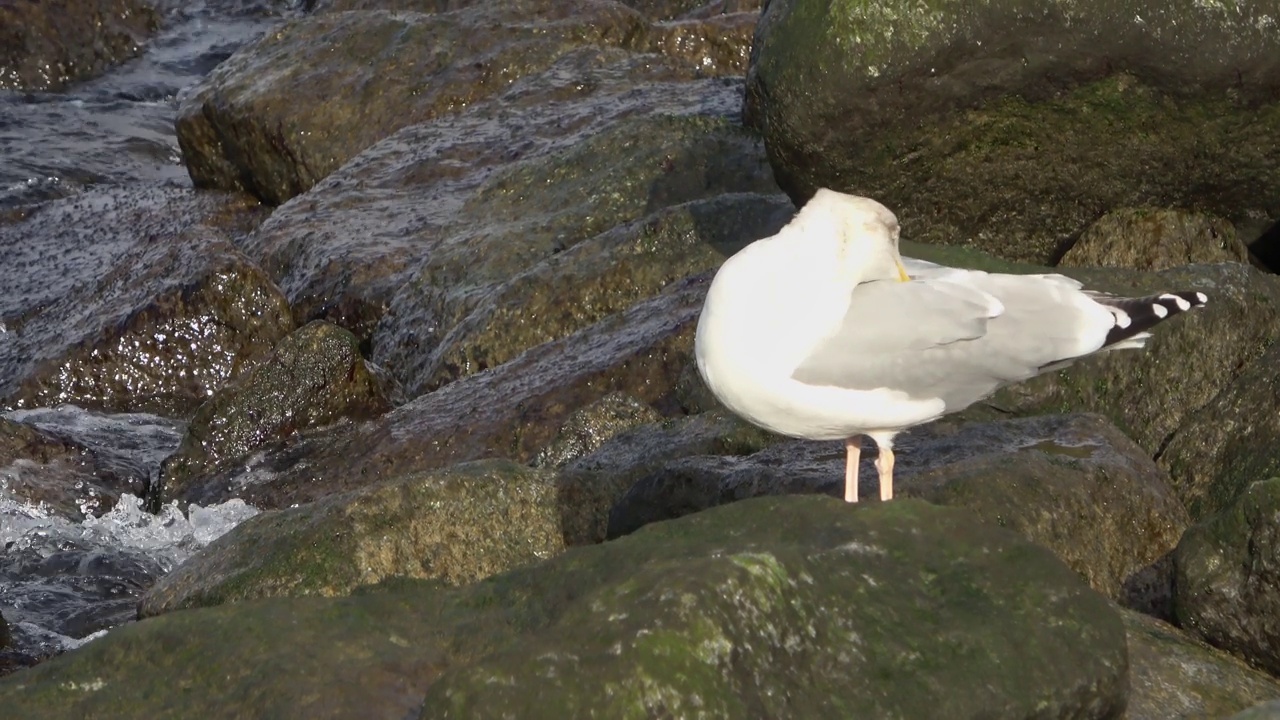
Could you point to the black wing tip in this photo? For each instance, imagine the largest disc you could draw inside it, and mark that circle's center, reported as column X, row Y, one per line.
column 1137, row 315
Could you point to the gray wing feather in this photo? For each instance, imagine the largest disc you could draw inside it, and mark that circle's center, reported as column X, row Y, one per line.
column 957, row 337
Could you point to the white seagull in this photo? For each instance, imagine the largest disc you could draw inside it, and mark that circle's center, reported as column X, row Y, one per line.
column 822, row 332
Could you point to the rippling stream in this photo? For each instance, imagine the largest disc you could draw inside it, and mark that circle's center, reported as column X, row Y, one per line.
column 62, row 581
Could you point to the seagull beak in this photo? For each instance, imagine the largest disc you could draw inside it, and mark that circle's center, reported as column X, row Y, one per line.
column 902, row 273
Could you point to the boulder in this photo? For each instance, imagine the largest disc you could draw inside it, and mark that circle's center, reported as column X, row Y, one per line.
column 796, row 607
column 592, row 426
column 342, row 251
column 1174, row 675
column 594, row 483
column 481, row 321
column 46, row 46
column 312, row 378
column 1230, row 442
column 1072, row 483
column 511, row 411
column 280, row 114
column 456, row 526
column 1155, row 239
column 972, row 120
column 132, row 300
column 1228, row 569
column 1263, row 711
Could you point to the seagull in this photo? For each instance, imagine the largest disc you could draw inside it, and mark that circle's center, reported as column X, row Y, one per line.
column 823, row 331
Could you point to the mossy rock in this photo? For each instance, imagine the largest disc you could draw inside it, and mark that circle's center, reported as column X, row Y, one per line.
column 796, row 607
column 1228, row 569
column 976, row 121
column 313, row 377
column 1174, row 675
column 455, row 526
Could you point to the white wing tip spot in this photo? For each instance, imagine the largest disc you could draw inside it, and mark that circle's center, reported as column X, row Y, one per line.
column 1162, row 311
column 1202, row 298
column 1182, row 304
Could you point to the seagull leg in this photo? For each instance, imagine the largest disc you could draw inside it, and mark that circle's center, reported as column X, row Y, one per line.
column 852, row 451
column 884, row 463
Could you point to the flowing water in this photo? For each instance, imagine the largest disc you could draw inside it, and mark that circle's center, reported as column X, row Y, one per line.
column 66, row 580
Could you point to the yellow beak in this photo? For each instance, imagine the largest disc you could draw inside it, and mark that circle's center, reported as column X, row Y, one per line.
column 902, row 273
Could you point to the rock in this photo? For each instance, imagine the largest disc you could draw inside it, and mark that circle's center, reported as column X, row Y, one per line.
column 132, row 300
column 46, row 46
column 64, row 478
column 1228, row 569
column 1155, row 239
column 511, row 411
column 343, row 250
column 313, row 377
column 280, row 114
column 742, row 607
column 1071, row 483
column 457, row 526
column 1263, row 711
column 970, row 119
column 1230, row 442
column 594, row 483
column 714, row 627
column 1172, row 675
column 4, row 632
column 592, row 426
column 717, row 45
column 571, row 288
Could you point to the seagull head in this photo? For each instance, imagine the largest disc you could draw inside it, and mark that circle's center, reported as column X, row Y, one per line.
column 861, row 234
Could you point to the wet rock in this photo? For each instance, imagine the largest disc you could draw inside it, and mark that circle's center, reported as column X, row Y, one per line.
column 132, row 300
column 651, row 626
column 1230, row 442
column 457, row 526
column 1228, row 569
column 1072, row 483
column 591, row 485
column 718, row 45
column 313, row 377
column 1263, row 711
column 970, row 119
column 592, row 426
column 571, row 288
column 511, row 411
column 342, row 251
column 65, row 478
column 4, row 632
column 1155, row 239
column 721, row 624
column 279, row 115
column 46, row 46
column 1173, row 675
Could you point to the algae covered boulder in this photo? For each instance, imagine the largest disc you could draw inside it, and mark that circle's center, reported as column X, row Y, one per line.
column 1229, row 443
column 512, row 411
column 1154, row 239
column 314, row 377
column 1072, row 483
column 1228, row 570
column 133, row 300
column 1175, row 675
column 804, row 607
column 1012, row 126
column 775, row 607
column 456, row 526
